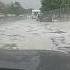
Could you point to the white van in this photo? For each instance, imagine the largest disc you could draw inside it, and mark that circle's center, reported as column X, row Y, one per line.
column 35, row 14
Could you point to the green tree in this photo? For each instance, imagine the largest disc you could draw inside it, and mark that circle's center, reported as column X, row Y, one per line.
column 53, row 4
column 16, row 8
column 2, row 7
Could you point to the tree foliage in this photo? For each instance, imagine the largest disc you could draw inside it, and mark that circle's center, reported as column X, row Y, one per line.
column 54, row 4
column 2, row 7
column 13, row 8
column 16, row 8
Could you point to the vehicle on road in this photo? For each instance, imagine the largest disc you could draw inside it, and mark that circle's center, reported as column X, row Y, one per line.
column 35, row 14
column 43, row 18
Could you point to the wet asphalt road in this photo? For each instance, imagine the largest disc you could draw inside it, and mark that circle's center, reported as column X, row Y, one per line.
column 34, row 60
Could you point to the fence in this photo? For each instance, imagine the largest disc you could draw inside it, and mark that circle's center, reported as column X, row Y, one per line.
column 62, row 14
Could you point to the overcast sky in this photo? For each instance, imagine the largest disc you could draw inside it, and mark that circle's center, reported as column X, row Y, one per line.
column 26, row 3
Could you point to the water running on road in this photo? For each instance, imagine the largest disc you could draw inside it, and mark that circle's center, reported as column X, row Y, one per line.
column 31, row 34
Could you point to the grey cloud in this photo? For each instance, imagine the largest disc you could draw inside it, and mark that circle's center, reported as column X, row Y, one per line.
column 26, row 3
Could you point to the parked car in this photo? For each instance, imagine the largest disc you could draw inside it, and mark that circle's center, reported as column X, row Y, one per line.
column 44, row 18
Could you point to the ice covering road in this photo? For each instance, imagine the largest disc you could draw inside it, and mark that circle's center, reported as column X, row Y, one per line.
column 31, row 34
